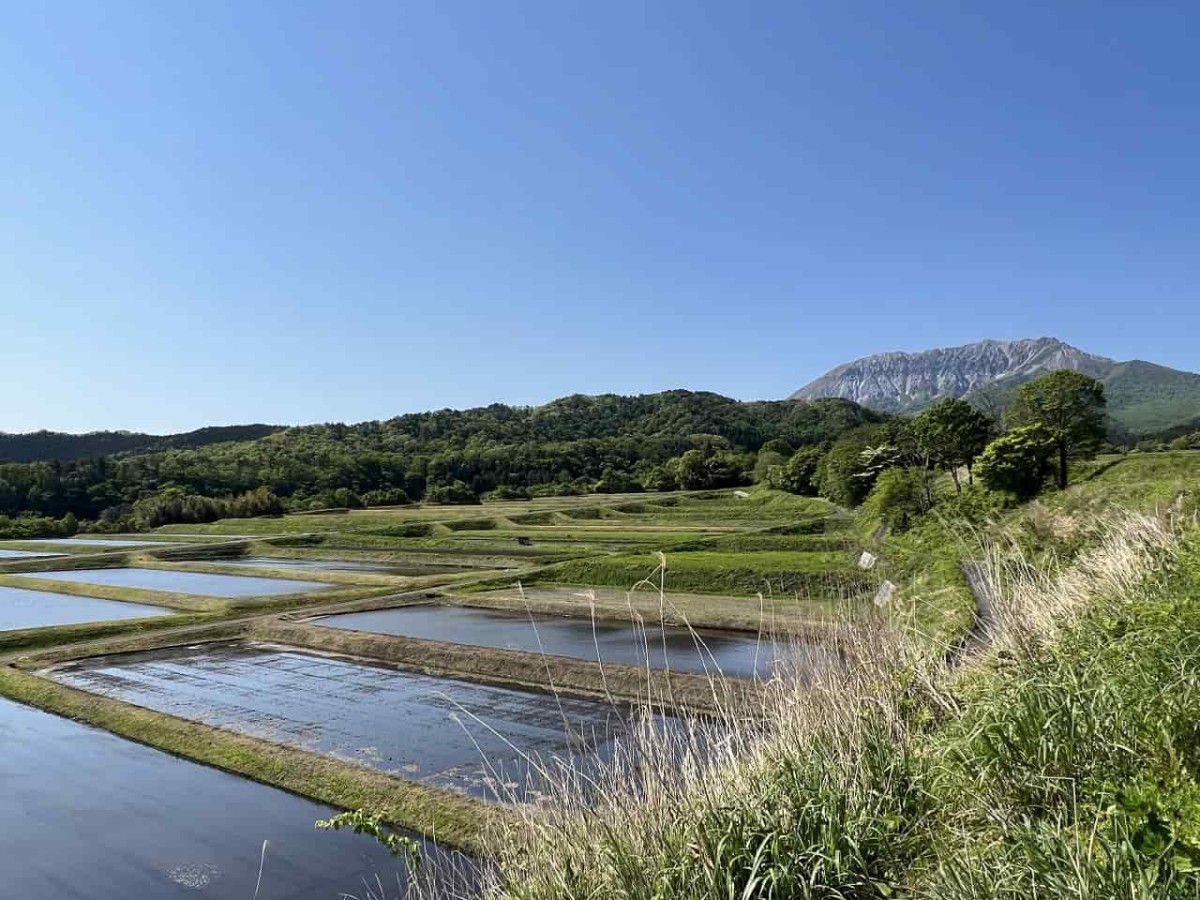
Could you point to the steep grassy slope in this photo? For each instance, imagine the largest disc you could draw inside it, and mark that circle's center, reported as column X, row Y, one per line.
column 1065, row 766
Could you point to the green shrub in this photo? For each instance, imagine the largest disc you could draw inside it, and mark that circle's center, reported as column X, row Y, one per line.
column 1018, row 463
column 800, row 474
column 24, row 527
column 900, row 496
column 508, row 492
column 457, row 493
column 386, row 497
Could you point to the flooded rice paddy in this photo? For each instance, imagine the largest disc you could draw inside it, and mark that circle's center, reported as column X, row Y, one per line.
column 174, row 582
column 734, row 654
column 338, row 565
column 89, row 815
column 413, row 725
column 26, row 554
column 97, row 542
column 20, row 608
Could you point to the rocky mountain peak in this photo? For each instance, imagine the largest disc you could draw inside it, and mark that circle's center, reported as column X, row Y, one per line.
column 903, row 381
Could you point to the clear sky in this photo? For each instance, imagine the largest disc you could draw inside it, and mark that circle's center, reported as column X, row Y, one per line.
column 217, row 212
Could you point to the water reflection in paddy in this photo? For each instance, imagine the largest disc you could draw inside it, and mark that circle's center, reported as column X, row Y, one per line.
column 337, row 565
column 735, row 654
column 419, row 726
column 20, row 608
column 89, row 815
column 171, row 581
column 97, row 542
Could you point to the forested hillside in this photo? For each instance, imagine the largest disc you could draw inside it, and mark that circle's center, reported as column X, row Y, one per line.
column 48, row 445
column 574, row 444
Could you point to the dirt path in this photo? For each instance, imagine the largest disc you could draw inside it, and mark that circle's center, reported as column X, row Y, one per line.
column 980, row 636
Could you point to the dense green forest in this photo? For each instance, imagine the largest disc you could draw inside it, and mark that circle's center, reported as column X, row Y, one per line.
column 47, row 445
column 572, row 445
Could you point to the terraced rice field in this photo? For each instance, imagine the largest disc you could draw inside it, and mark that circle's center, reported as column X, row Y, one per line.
column 703, row 651
column 342, row 565
column 425, row 744
column 101, row 817
column 173, row 582
column 446, row 732
column 43, row 609
column 97, row 542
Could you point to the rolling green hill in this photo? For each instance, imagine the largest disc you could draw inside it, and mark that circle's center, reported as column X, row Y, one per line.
column 566, row 446
column 1145, row 397
column 46, row 445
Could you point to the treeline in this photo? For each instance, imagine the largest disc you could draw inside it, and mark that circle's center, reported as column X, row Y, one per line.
column 1183, row 438
column 174, row 505
column 25, row 527
column 47, row 445
column 574, row 445
column 895, row 467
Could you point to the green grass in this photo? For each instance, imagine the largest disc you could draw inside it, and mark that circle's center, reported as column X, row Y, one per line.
column 755, row 542
column 1138, row 480
column 1061, row 522
column 1081, row 763
column 723, row 507
column 772, row 572
column 932, row 597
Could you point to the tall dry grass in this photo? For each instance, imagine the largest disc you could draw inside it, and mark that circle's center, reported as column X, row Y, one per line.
column 839, row 783
column 1037, row 601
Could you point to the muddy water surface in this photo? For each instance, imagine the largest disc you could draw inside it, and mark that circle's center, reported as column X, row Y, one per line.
column 97, row 542
column 170, row 581
column 26, row 554
column 735, row 654
column 337, row 565
column 20, row 608
column 418, row 726
column 88, row 815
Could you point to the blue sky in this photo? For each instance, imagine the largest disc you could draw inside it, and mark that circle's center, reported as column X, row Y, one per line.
column 284, row 211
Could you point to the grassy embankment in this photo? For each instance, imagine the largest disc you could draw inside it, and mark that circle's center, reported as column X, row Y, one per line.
column 1065, row 763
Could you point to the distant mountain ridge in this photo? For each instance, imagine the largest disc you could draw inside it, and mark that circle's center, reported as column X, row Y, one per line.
column 1143, row 397
column 46, row 445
